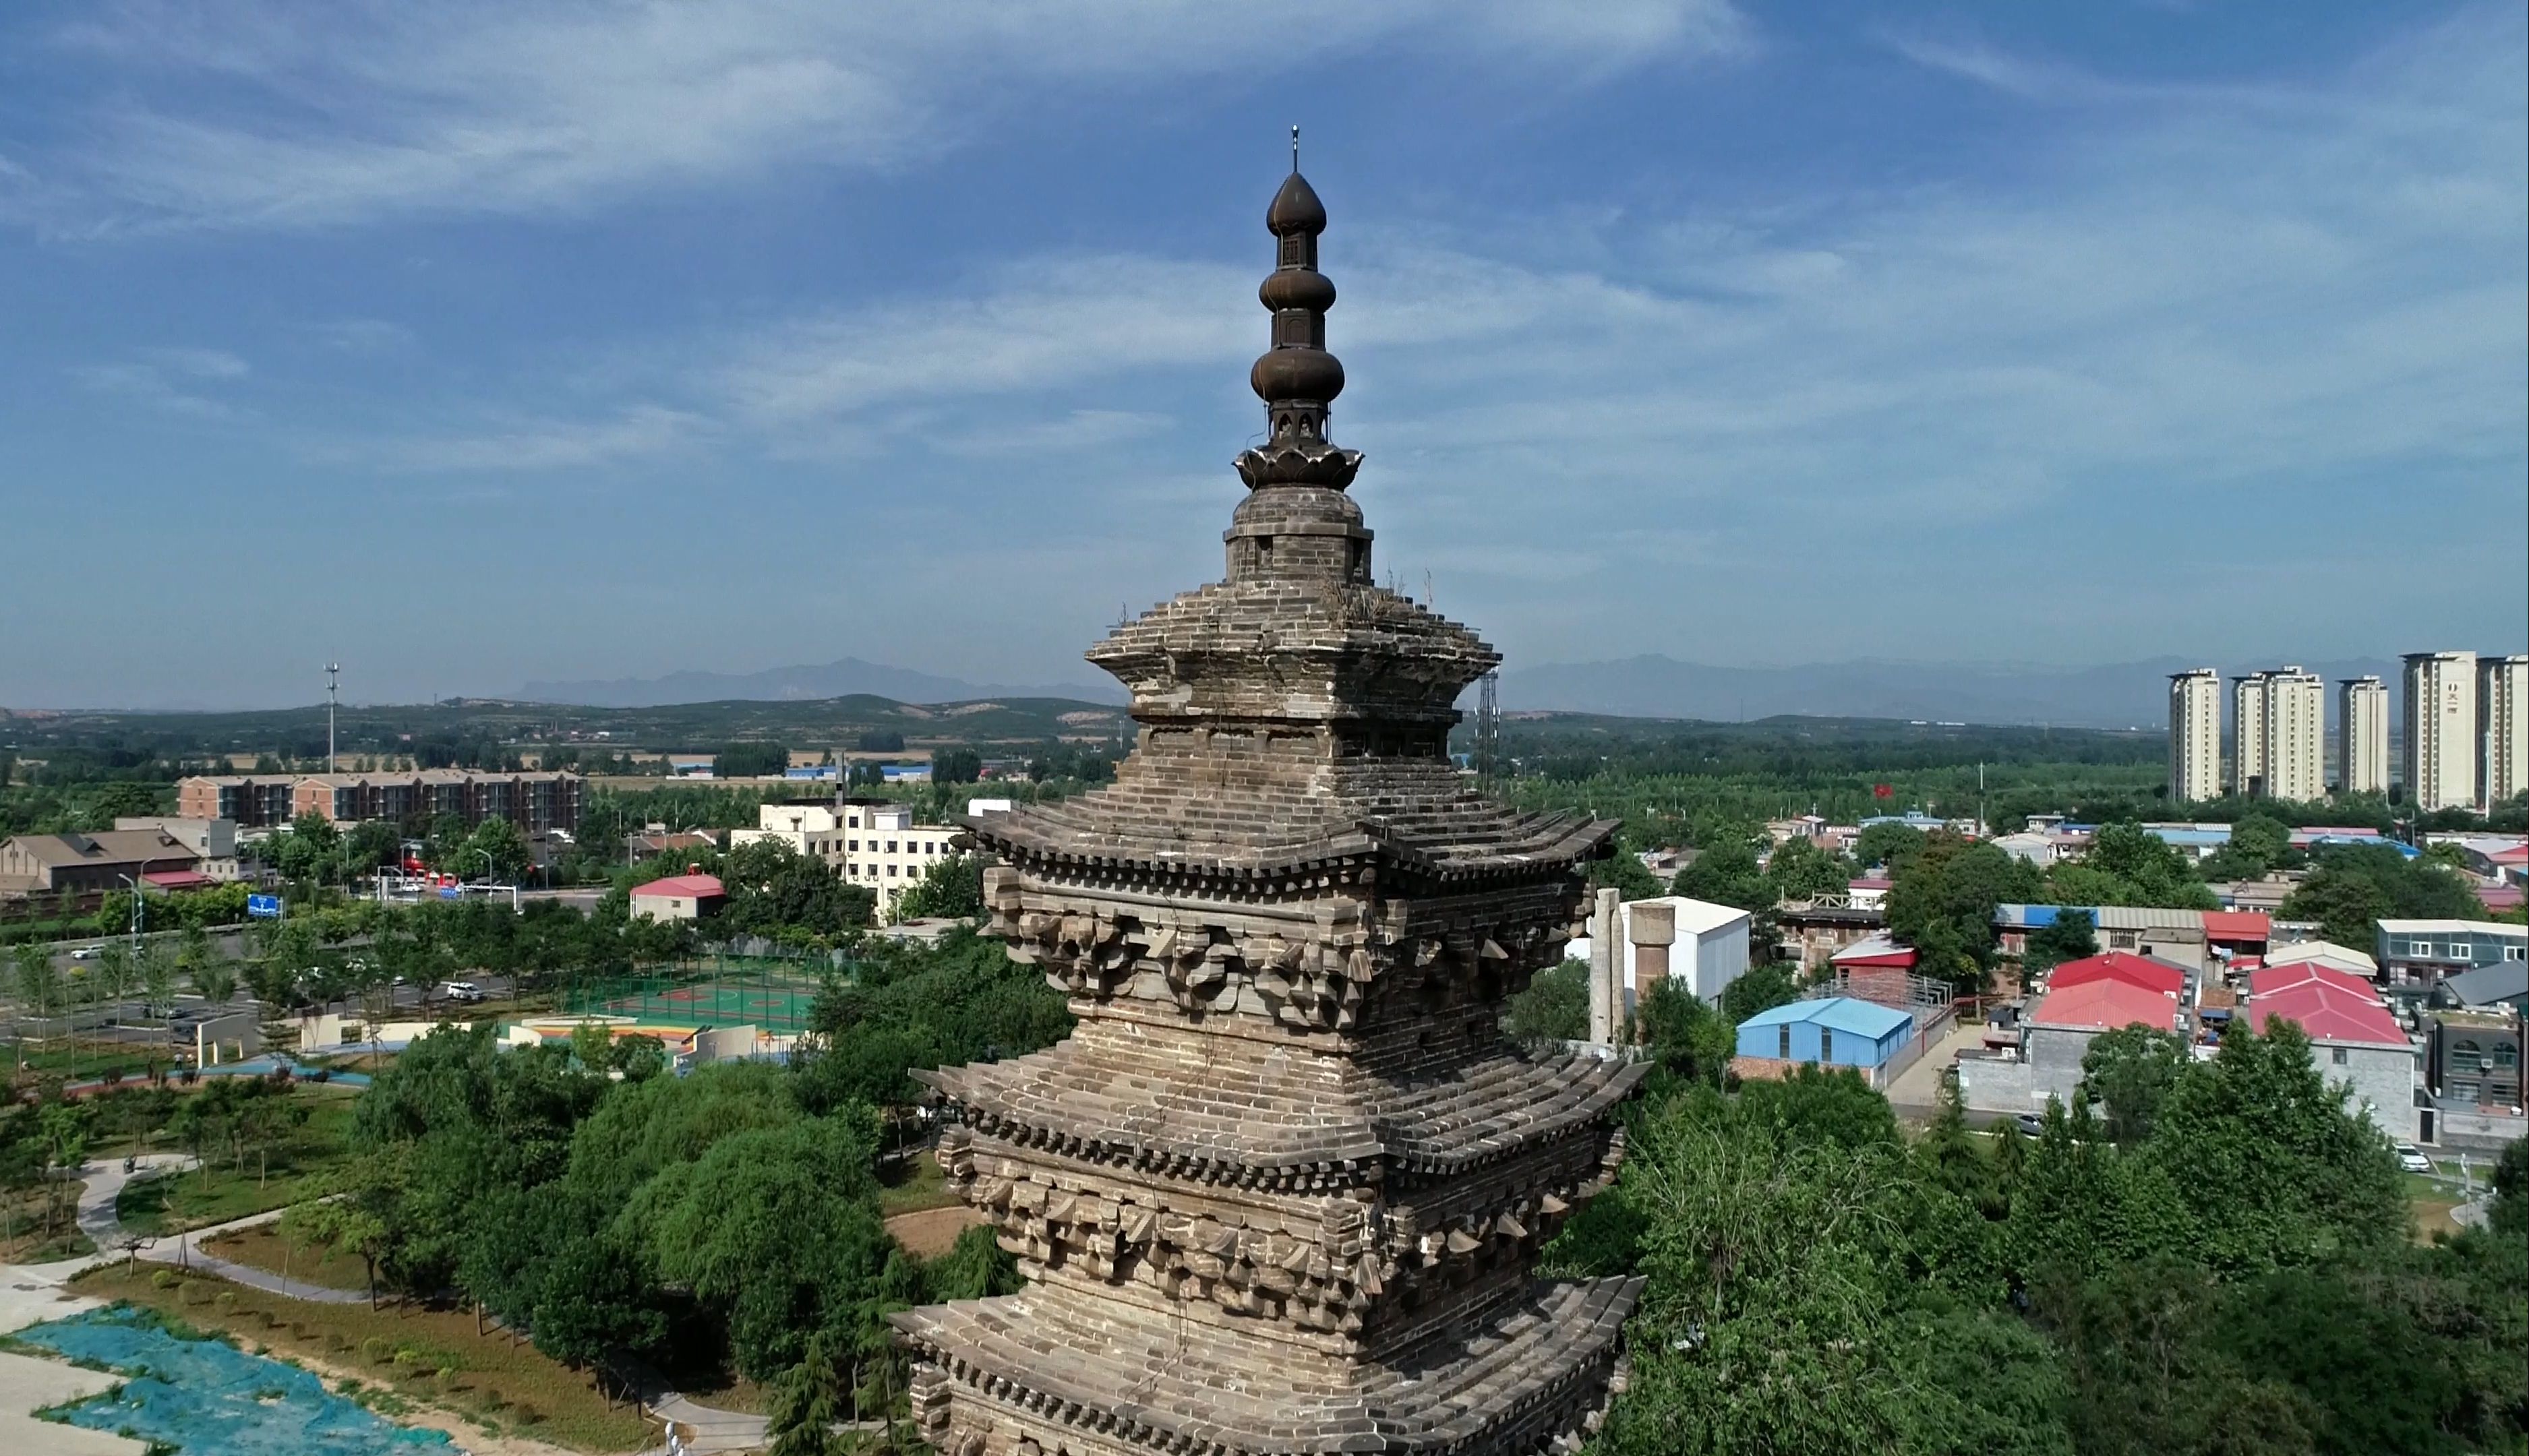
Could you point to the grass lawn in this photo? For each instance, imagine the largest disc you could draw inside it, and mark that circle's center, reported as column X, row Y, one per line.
column 408, row 1352
column 263, row 1247
column 220, row 1190
column 31, row 1245
column 912, row 1184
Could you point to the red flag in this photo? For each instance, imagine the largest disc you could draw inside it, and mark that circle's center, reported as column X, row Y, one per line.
column 1882, row 790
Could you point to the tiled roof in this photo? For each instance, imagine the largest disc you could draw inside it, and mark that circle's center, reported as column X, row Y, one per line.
column 2329, row 1014
column 681, row 886
column 2149, row 973
column 2103, row 1003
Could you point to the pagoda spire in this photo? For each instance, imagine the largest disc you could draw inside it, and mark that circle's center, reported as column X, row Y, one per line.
column 1296, row 378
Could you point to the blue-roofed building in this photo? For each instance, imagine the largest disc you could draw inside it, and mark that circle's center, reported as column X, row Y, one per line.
column 1837, row 1030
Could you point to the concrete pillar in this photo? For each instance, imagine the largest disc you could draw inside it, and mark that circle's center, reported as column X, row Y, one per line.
column 1606, row 976
column 1652, row 929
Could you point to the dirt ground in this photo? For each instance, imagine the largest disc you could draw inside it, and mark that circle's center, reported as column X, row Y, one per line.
column 930, row 1232
column 470, row 1437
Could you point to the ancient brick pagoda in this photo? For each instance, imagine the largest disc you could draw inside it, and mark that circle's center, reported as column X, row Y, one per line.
column 1284, row 1189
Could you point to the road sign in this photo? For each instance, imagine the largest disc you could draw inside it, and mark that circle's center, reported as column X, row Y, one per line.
column 263, row 906
column 450, row 892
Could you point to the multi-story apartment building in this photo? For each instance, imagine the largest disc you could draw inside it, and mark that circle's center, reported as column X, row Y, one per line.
column 2362, row 736
column 533, row 801
column 2279, row 734
column 2249, row 735
column 2194, row 736
column 2502, row 729
column 2295, row 721
column 885, row 851
column 246, row 802
column 807, row 825
column 2442, row 729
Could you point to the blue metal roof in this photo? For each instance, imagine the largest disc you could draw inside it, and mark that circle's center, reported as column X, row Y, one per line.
column 1839, row 1012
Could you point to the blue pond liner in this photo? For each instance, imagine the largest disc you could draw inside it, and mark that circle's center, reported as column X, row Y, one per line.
column 208, row 1398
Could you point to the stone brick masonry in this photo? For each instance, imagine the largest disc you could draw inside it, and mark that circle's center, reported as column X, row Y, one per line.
column 1284, row 1189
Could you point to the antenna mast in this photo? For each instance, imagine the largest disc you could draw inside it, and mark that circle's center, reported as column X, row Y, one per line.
column 333, row 673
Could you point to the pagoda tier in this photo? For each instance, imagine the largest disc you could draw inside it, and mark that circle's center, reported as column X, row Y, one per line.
column 1284, row 1189
column 1042, row 1373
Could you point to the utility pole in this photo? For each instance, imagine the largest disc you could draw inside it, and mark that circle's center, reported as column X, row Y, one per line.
column 333, row 675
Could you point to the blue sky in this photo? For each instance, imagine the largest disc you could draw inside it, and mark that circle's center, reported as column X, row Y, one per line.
column 473, row 344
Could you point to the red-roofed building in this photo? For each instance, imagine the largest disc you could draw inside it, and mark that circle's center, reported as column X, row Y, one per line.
column 1879, row 953
column 2243, row 931
column 2149, row 972
column 2354, row 1039
column 2104, row 1003
column 679, row 897
column 2271, row 980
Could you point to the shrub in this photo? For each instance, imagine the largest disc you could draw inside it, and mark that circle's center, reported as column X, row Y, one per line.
column 164, row 1278
column 376, row 1351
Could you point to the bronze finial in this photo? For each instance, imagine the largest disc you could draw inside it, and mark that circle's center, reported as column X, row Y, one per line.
column 1296, row 378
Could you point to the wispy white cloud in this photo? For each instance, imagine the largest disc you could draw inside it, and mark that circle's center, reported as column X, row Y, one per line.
column 170, row 380
column 228, row 115
column 515, row 444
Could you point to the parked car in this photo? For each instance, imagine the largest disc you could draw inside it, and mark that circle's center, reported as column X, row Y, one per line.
column 462, row 991
column 87, row 953
column 2413, row 1158
column 2032, row 1123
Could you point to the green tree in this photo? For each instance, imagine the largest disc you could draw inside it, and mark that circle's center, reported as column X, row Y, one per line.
column 951, row 886
column 956, row 766
column 1798, row 870
column 2271, row 1170
column 749, row 759
column 2073, row 935
column 1887, row 845
column 497, row 847
column 596, row 1305
column 2128, row 864
column 1943, row 903
column 2508, row 1214
column 1725, row 872
column 1555, row 1006
column 2130, row 1071
column 1759, row 987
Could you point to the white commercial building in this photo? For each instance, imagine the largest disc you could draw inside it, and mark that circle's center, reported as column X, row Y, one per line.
column 2362, row 736
column 1710, row 953
column 2294, row 724
column 885, row 851
column 2440, row 731
column 2502, row 729
column 2194, row 736
column 2248, row 735
column 800, row 826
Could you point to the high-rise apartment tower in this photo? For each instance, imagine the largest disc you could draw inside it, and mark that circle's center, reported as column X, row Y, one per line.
column 2362, row 736
column 2502, row 728
column 2294, row 724
column 2249, row 735
column 2442, row 732
column 2194, row 736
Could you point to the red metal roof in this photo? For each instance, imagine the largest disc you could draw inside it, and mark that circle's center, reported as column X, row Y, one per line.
column 1877, row 950
column 2120, row 965
column 681, row 888
column 2104, row 1003
column 2328, row 1012
column 177, row 879
column 2237, row 925
column 2270, row 980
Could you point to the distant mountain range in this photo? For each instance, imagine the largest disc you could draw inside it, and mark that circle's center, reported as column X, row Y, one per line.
column 841, row 678
column 2116, row 695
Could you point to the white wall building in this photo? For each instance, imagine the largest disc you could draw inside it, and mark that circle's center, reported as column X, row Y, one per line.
column 795, row 824
column 2294, row 719
column 2502, row 729
column 2194, row 736
column 2440, row 731
column 2362, row 736
column 2249, row 735
column 1710, row 953
column 885, row 851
